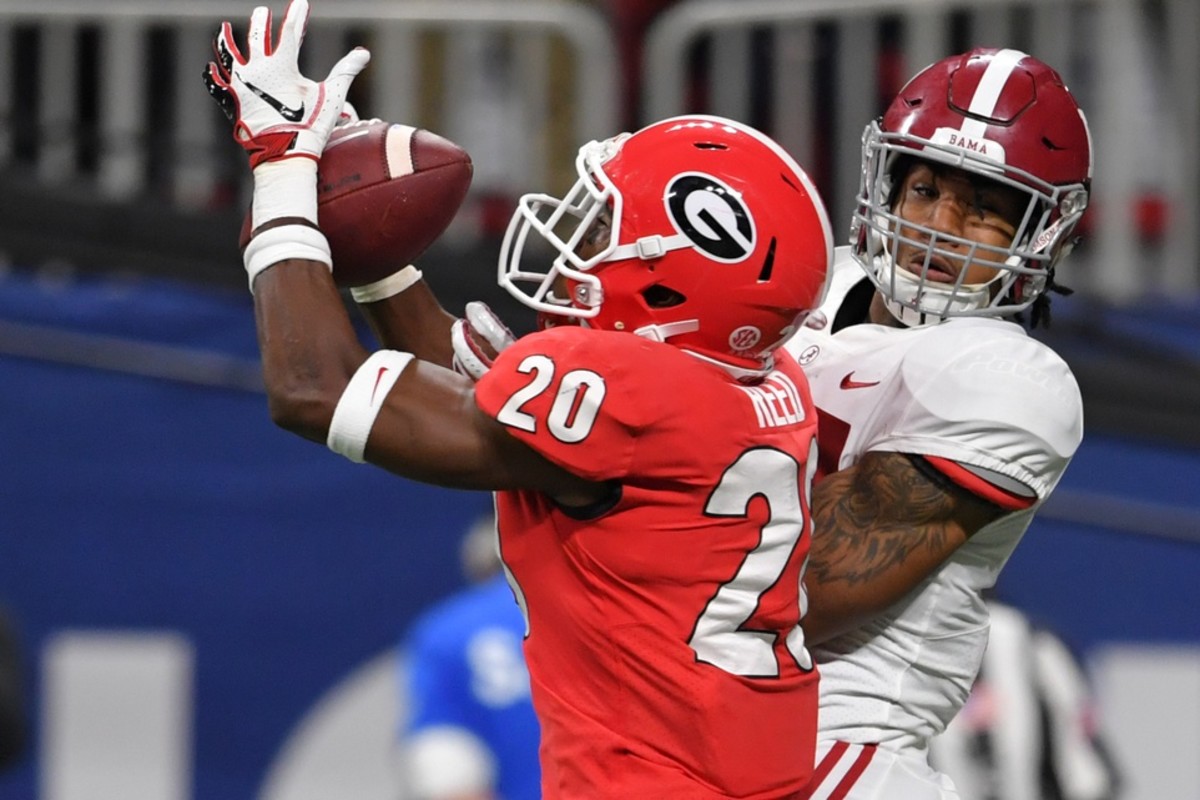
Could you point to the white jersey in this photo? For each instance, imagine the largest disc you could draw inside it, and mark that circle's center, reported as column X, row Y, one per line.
column 976, row 391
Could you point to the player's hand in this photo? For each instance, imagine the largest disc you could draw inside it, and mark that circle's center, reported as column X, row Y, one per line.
column 276, row 112
column 474, row 336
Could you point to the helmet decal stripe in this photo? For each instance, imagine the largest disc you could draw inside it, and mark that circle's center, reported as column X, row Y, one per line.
column 987, row 94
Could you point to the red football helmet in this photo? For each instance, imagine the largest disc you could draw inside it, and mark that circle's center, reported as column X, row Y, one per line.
column 711, row 238
column 1001, row 114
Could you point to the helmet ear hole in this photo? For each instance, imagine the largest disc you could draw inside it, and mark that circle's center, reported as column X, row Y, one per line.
column 768, row 266
column 659, row 296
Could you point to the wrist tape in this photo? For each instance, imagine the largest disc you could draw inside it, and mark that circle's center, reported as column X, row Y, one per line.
column 390, row 286
column 361, row 400
column 279, row 244
column 284, row 188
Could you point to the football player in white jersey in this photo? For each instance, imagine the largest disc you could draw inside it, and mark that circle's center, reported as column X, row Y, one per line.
column 944, row 425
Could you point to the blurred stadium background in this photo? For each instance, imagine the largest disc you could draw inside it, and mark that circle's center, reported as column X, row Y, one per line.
column 207, row 609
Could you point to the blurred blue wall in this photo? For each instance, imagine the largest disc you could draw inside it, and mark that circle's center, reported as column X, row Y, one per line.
column 150, row 504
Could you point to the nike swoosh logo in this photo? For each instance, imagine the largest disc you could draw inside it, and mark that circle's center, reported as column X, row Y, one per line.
column 287, row 112
column 378, row 378
column 848, row 382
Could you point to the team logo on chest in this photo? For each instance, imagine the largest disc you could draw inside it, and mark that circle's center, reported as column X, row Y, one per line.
column 712, row 216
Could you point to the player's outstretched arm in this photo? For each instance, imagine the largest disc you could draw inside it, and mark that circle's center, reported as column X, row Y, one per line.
column 879, row 529
column 408, row 416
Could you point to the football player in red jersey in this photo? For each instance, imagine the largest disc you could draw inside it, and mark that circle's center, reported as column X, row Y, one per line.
column 943, row 424
column 652, row 461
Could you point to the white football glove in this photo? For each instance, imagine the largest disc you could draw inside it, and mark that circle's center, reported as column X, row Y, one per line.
column 276, row 112
column 480, row 323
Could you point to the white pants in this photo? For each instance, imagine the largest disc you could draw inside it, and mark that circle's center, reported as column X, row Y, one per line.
column 871, row 772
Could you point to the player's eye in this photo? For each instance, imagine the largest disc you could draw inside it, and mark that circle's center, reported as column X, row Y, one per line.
column 598, row 233
column 925, row 191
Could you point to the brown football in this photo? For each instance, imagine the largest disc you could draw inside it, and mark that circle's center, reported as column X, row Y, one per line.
column 385, row 192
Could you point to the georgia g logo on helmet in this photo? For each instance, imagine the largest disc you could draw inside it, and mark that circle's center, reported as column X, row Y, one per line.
column 712, row 216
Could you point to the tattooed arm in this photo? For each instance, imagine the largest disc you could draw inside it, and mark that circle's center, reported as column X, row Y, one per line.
column 879, row 529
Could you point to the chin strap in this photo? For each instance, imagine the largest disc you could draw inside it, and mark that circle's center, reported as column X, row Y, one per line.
column 740, row 374
column 650, row 247
column 660, row 333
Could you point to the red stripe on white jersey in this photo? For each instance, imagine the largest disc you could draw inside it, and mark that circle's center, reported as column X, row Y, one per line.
column 1009, row 501
column 827, row 763
column 839, row 771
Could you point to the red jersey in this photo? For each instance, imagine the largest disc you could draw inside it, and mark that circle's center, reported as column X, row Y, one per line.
column 664, row 646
